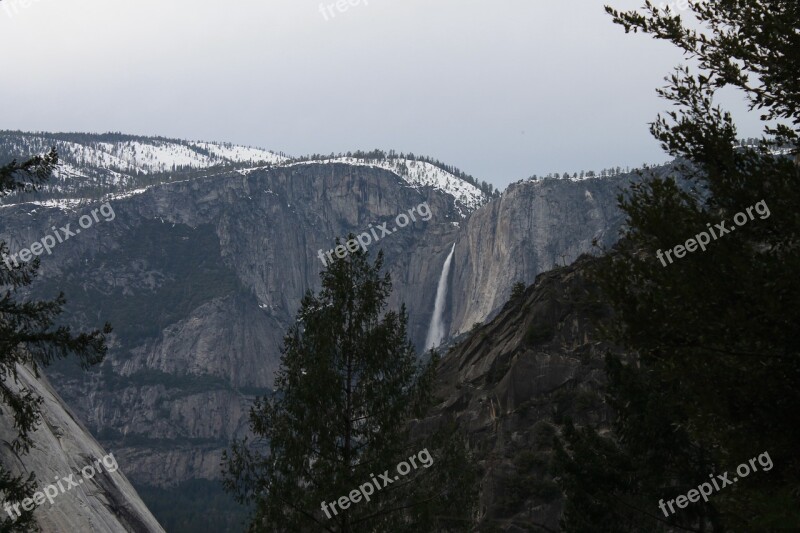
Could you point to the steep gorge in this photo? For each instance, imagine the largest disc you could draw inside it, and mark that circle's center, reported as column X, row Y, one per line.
column 202, row 277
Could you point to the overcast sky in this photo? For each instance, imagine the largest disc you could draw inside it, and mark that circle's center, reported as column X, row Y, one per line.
column 499, row 88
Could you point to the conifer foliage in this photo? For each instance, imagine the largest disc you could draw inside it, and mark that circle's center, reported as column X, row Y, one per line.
column 29, row 336
column 348, row 387
column 712, row 376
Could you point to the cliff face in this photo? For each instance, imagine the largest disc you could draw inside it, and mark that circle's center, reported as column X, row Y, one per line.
column 104, row 502
column 202, row 277
column 508, row 385
column 532, row 228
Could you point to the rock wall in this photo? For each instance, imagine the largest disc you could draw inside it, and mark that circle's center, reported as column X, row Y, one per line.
column 105, row 502
column 201, row 278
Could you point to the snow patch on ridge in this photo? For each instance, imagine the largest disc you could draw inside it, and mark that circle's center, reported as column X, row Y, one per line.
column 240, row 154
column 102, row 162
column 420, row 174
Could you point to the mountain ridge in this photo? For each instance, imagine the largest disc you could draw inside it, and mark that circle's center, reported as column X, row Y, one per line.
column 202, row 275
column 117, row 163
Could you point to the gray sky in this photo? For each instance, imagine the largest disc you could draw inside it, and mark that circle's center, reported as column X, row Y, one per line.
column 499, row 88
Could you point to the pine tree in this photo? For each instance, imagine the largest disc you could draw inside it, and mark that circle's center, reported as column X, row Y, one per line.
column 29, row 337
column 517, row 290
column 348, row 386
column 714, row 375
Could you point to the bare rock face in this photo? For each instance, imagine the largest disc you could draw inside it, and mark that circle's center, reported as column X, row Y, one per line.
column 201, row 278
column 511, row 381
column 533, row 227
column 104, row 501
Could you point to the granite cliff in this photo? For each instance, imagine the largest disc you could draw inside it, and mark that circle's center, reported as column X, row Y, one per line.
column 104, row 502
column 511, row 382
column 201, row 276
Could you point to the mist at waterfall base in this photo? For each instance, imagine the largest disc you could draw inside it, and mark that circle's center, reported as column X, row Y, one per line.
column 436, row 329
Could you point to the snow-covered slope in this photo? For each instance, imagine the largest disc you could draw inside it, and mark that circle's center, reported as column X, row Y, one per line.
column 115, row 160
column 95, row 165
column 422, row 174
column 239, row 154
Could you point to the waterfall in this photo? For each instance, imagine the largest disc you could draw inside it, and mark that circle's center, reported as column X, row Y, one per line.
column 436, row 329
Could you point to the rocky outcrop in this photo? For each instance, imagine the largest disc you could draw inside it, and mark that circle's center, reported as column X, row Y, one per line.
column 104, row 502
column 511, row 381
column 533, row 227
column 202, row 277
